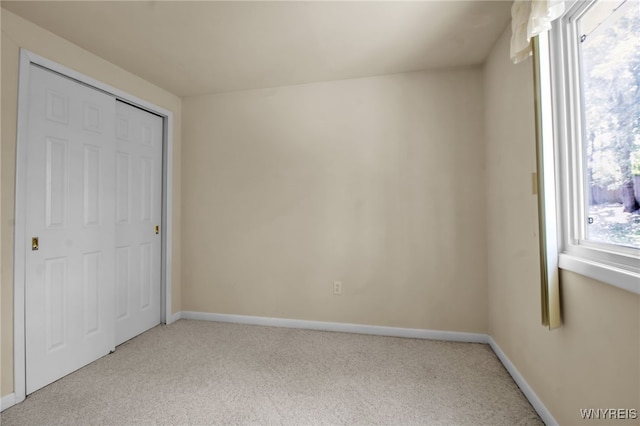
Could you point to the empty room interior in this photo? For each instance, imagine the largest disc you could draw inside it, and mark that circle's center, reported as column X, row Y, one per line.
column 348, row 171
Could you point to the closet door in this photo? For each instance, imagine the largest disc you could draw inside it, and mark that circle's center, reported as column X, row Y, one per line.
column 138, row 217
column 70, row 223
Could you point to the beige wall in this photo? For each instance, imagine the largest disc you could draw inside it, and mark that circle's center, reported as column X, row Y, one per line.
column 16, row 33
column 593, row 360
column 375, row 182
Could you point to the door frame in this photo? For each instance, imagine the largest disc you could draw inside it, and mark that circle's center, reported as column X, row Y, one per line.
column 28, row 58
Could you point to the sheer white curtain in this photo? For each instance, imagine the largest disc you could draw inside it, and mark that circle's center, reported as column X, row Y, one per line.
column 528, row 19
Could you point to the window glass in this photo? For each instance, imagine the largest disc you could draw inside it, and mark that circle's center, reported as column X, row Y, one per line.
column 609, row 50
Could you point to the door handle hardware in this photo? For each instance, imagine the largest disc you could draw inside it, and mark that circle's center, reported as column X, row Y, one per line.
column 157, row 229
column 35, row 244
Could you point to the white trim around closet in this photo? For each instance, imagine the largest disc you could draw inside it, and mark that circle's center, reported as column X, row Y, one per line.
column 26, row 59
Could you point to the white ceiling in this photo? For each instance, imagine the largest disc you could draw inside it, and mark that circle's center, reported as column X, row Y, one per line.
column 192, row 48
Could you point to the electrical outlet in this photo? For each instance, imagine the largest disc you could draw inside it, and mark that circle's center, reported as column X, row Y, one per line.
column 337, row 287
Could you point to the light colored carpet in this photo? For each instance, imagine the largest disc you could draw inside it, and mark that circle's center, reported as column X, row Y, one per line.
column 196, row 372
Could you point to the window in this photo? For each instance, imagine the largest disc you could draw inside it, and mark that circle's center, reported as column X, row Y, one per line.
column 610, row 58
column 594, row 52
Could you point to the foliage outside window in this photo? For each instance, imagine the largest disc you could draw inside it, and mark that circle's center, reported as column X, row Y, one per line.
column 610, row 59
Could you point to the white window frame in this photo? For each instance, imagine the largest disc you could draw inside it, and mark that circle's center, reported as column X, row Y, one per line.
column 609, row 263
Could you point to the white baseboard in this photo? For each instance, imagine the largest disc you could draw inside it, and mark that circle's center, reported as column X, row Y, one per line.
column 453, row 336
column 536, row 402
column 175, row 317
column 7, row 401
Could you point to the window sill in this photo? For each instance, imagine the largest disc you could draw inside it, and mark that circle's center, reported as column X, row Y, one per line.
column 616, row 277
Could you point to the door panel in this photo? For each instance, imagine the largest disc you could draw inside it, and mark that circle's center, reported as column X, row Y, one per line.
column 57, row 177
column 123, row 173
column 123, row 279
column 69, row 293
column 91, row 181
column 139, row 204
column 146, row 275
column 92, row 293
column 56, row 296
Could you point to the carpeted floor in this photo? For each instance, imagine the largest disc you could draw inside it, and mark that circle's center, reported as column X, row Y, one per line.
column 196, row 372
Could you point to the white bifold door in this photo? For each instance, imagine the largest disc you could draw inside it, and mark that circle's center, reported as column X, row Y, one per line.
column 92, row 277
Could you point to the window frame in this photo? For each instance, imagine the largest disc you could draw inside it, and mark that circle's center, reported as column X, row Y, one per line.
column 609, row 263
